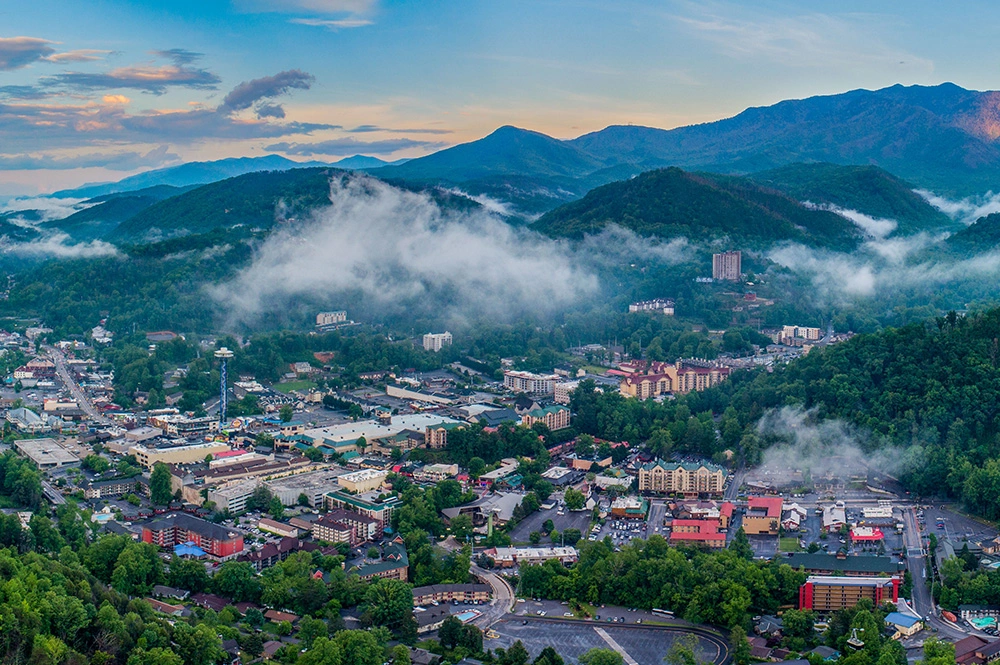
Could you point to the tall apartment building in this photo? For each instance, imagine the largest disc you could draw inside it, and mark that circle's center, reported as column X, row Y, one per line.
column 331, row 318
column 727, row 266
column 685, row 478
column 435, row 341
column 528, row 382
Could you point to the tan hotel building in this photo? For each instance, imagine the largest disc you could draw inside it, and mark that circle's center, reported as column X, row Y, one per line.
column 678, row 378
column 681, row 478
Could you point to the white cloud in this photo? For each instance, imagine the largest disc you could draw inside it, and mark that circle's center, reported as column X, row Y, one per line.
column 966, row 210
column 59, row 246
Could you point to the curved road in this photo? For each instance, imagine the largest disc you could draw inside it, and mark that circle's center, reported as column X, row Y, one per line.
column 503, row 597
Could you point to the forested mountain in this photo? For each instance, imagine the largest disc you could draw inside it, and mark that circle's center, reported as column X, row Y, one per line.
column 104, row 213
column 981, row 236
column 868, row 189
column 674, row 203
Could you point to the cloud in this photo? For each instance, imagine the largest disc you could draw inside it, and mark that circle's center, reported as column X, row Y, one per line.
column 811, row 40
column 349, row 146
column 49, row 208
column 18, row 52
column 118, row 161
column 148, row 78
column 270, row 111
column 333, row 24
column 966, row 210
column 365, row 129
column 59, row 246
column 248, row 93
column 79, row 55
column 873, row 226
column 23, row 92
column 399, row 250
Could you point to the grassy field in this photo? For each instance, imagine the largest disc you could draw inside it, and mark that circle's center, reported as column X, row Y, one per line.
column 789, row 544
column 289, row 386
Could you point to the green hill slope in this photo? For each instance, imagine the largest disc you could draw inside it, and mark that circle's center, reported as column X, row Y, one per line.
column 671, row 202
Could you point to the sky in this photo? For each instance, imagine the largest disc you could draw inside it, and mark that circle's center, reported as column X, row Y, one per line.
column 95, row 91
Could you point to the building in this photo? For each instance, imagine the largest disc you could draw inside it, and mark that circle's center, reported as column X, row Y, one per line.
column 663, row 306
column 446, row 593
column 277, row 528
column 555, row 417
column 763, row 516
column 562, row 392
column 867, row 534
column 529, row 382
column 681, row 377
column 362, row 481
column 498, row 506
column 313, row 484
column 178, row 425
column 180, row 528
column 698, row 532
column 183, row 454
column 430, row 618
column 505, row 557
column 233, row 496
column 436, row 436
column 829, row 594
column 727, row 266
column 435, row 473
column 435, row 341
column 685, row 478
column 394, row 564
column 789, row 334
column 834, row 516
column 629, row 508
column 905, row 625
column 344, row 437
column 273, row 553
column 369, row 504
column 413, row 395
column 46, row 453
column 861, row 565
column 110, row 489
column 331, row 318
column 362, row 528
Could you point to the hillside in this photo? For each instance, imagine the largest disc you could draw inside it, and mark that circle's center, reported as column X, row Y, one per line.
column 981, row 236
column 507, row 151
column 868, row 189
column 671, row 202
column 941, row 137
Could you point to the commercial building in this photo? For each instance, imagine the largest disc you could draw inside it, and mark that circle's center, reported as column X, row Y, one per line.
column 344, row 437
column 727, row 266
column 698, row 532
column 393, row 566
column 829, row 594
column 435, row 473
column 905, row 625
column 842, row 565
column 834, row 516
column 681, row 377
column 435, row 341
column 562, row 392
column 412, row 395
column 361, row 481
column 183, row 454
column 181, row 528
column 178, row 425
column 46, row 453
column 313, row 484
column 685, row 478
column 663, row 306
column 529, row 382
column 233, row 496
column 630, row 508
column 505, row 557
column 277, row 528
column 331, row 318
column 498, row 507
column 555, row 417
column 446, row 593
column 763, row 516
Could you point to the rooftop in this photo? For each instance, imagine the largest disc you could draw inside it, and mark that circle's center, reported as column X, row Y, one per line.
column 372, row 429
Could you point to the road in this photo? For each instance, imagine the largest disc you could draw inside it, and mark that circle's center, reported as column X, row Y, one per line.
column 52, row 494
column 81, row 398
column 503, row 597
column 733, row 490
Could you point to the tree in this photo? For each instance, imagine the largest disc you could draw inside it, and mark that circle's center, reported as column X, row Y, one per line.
column 799, row 623
column 275, row 508
column 253, row 644
column 160, row 490
column 741, row 545
column 937, row 652
column 198, row 645
column 303, row 500
column 389, row 603
column 188, row 574
column 310, row 629
column 137, row 569
column 535, row 537
column 682, row 651
column 584, row 446
column 515, row 655
column 286, row 412
column 238, row 581
column 571, row 537
column 741, row 647
column 154, row 656
column 461, row 527
column 548, row 656
column 574, row 499
column 477, row 467
column 449, row 632
column 598, row 656
column 400, row 655
column 254, row 617
column 314, row 454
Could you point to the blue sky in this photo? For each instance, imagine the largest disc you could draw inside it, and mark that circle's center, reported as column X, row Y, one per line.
column 95, row 90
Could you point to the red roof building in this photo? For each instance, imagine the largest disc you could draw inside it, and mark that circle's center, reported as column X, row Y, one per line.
column 701, row 532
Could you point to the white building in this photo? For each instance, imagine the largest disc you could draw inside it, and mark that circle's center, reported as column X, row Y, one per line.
column 727, row 266
column 528, row 382
column 562, row 391
column 663, row 306
column 435, row 341
column 331, row 318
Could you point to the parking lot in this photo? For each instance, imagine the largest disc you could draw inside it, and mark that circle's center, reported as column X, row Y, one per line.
column 647, row 645
column 623, row 531
column 568, row 520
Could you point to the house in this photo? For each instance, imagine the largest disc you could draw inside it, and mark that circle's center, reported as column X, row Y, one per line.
column 394, row 564
column 431, row 618
column 792, row 517
column 827, row 654
column 275, row 616
column 965, row 648
column 423, row 657
column 162, row 591
column 771, row 626
column 271, row 647
column 165, row 608
column 210, row 601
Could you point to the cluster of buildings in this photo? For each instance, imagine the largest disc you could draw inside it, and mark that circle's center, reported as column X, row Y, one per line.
column 663, row 306
column 644, row 380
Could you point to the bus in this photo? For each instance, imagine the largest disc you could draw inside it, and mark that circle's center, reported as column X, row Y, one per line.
column 663, row 613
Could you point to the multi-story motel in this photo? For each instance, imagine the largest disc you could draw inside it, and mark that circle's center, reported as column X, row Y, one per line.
column 180, row 528
column 829, row 594
column 555, row 417
column 698, row 532
column 185, row 454
column 685, row 478
column 346, row 526
column 175, row 424
column 681, row 377
column 505, row 557
column 368, row 504
column 114, row 488
column 446, row 593
column 435, row 341
column 331, row 318
column 529, row 382
column 843, row 565
column 394, row 564
column 763, row 516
